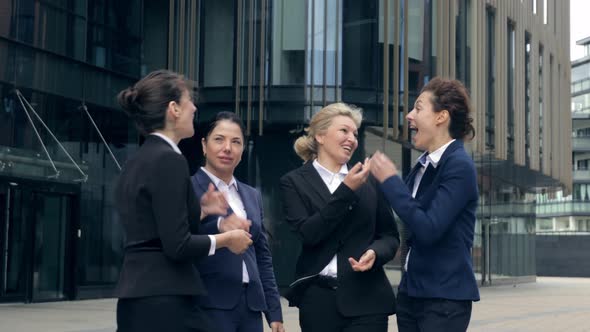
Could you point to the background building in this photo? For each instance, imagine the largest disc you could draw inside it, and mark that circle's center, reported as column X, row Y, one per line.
column 275, row 63
column 563, row 222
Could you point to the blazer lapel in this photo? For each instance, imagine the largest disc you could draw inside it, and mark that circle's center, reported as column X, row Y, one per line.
column 247, row 200
column 203, row 180
column 410, row 178
column 313, row 178
column 426, row 181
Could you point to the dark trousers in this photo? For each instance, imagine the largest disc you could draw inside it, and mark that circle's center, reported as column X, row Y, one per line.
column 318, row 312
column 161, row 313
column 238, row 319
column 416, row 314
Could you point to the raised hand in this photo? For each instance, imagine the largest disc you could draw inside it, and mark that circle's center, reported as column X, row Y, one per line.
column 364, row 263
column 232, row 222
column 382, row 167
column 357, row 175
column 213, row 203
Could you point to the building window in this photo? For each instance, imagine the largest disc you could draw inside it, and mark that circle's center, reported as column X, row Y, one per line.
column 288, row 54
column 541, row 92
column 527, row 101
column 491, row 78
column 510, row 91
column 463, row 42
column 218, row 42
column 114, row 35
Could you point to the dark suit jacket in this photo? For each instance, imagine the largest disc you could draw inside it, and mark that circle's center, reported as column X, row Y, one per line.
column 155, row 201
column 346, row 223
column 441, row 219
column 222, row 273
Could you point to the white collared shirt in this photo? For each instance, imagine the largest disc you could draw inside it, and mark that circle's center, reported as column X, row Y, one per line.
column 332, row 181
column 177, row 150
column 425, row 159
column 169, row 141
column 235, row 202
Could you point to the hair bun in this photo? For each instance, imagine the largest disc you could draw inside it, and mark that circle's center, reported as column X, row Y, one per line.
column 128, row 100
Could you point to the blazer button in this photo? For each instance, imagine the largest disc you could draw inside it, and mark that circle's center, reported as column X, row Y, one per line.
column 350, row 207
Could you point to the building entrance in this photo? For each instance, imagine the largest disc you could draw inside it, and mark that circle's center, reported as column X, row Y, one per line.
column 36, row 242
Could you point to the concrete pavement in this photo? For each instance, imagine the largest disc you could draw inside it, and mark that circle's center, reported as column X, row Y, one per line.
column 550, row 304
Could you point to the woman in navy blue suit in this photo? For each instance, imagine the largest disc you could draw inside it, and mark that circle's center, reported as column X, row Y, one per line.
column 437, row 205
column 239, row 287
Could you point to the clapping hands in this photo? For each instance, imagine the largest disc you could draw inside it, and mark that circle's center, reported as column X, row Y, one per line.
column 382, row 167
column 213, row 203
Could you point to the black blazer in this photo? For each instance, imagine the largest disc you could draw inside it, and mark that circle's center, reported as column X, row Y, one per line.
column 346, row 223
column 156, row 202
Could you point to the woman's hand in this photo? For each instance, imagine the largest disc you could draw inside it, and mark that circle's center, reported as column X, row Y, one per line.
column 237, row 241
column 213, row 203
column 277, row 327
column 357, row 175
column 382, row 167
column 365, row 262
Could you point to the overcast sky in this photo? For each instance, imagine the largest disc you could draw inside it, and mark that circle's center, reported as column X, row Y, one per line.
column 579, row 26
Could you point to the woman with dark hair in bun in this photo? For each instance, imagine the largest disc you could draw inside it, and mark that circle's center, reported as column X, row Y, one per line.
column 437, row 205
column 158, row 283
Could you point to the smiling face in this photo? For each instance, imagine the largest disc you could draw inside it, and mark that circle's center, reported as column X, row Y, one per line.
column 337, row 144
column 424, row 122
column 223, row 149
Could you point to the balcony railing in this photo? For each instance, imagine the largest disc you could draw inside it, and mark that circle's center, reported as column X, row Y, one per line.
column 508, row 209
column 562, row 208
column 580, row 175
column 540, row 210
column 581, row 143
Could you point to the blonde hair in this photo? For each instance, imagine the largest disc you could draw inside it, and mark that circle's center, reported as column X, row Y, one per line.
column 306, row 146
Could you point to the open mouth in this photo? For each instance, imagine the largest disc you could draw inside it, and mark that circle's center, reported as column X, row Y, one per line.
column 347, row 148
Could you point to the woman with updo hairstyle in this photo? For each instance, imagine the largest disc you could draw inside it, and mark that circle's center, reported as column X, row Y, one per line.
column 346, row 228
column 157, row 207
column 437, row 205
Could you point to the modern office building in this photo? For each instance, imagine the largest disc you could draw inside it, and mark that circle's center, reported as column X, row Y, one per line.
column 275, row 63
column 571, row 214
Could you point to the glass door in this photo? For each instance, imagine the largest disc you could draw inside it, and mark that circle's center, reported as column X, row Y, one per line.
column 34, row 232
column 51, row 212
column 14, row 270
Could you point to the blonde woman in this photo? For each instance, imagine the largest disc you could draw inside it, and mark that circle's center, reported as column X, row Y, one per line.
column 346, row 228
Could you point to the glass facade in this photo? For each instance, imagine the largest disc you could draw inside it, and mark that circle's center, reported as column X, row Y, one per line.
column 273, row 62
column 62, row 64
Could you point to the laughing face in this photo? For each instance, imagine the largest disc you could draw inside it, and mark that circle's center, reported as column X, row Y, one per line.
column 337, row 144
column 423, row 122
column 223, row 149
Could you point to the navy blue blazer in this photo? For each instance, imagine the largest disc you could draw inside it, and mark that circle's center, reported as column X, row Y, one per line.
column 222, row 272
column 442, row 220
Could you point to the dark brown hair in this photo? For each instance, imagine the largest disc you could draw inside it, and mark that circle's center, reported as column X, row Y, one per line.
column 146, row 101
column 451, row 95
column 225, row 116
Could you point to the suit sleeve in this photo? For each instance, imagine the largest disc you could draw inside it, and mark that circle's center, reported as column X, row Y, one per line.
column 168, row 188
column 456, row 189
column 265, row 267
column 316, row 227
column 386, row 240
